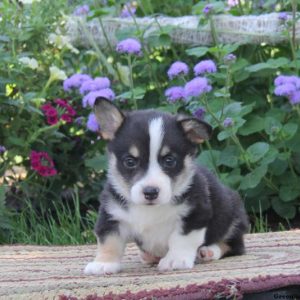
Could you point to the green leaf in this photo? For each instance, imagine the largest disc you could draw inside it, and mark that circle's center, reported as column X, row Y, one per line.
column 229, row 157
column 209, row 158
column 293, row 143
column 257, row 151
column 270, row 156
column 289, row 192
column 225, row 134
column 254, row 124
column 124, row 73
column 164, row 39
column 233, row 109
column 278, row 167
column 147, row 7
column 99, row 12
column 272, row 126
column 98, row 163
column 284, row 210
column 138, row 93
column 289, row 130
column 253, row 178
column 229, row 48
column 198, row 51
column 270, row 64
column 233, row 178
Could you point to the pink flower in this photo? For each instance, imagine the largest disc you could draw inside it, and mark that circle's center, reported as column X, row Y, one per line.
column 42, row 163
column 52, row 114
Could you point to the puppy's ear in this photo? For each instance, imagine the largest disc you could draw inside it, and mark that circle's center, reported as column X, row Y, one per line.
column 196, row 131
column 109, row 117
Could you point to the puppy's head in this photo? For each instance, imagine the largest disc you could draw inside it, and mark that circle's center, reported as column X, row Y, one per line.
column 150, row 153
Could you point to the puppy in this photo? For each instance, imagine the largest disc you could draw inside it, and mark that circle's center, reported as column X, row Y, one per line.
column 157, row 196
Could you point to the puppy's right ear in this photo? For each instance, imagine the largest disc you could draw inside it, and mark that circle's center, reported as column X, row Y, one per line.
column 109, row 117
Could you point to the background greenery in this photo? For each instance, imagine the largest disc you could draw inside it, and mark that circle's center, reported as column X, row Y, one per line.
column 259, row 155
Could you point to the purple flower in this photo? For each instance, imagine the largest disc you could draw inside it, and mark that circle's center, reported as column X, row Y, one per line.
column 232, row 3
column 75, row 81
column 129, row 46
column 90, row 98
column 128, row 10
column 92, row 123
column 79, row 120
column 228, row 122
column 285, row 89
column 207, row 9
column 174, row 94
column 196, row 87
column 199, row 113
column 229, row 58
column 2, row 149
column 81, row 10
column 177, row 68
column 283, row 16
column 294, row 98
column 97, row 84
column 283, row 79
column 205, row 66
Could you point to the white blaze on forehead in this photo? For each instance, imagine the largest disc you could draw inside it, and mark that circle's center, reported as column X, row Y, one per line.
column 156, row 133
column 154, row 176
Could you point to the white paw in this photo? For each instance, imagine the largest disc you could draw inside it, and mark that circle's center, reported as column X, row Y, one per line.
column 208, row 253
column 175, row 262
column 99, row 268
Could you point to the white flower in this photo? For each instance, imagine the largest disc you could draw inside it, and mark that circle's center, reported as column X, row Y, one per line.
column 29, row 62
column 57, row 74
column 29, row 1
column 61, row 41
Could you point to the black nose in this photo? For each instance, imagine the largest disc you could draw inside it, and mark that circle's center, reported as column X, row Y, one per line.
column 151, row 192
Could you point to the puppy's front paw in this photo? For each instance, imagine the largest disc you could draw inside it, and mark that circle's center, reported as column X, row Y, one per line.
column 175, row 262
column 99, row 268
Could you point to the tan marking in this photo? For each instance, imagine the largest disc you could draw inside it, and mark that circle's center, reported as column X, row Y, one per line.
column 134, row 151
column 111, row 250
column 225, row 248
column 148, row 258
column 165, row 150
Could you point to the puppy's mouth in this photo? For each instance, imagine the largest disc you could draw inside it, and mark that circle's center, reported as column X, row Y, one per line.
column 150, row 203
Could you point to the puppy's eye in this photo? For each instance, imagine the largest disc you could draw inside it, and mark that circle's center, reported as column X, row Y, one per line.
column 130, row 162
column 169, row 161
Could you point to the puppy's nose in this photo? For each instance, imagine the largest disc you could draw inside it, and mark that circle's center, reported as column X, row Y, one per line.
column 151, row 192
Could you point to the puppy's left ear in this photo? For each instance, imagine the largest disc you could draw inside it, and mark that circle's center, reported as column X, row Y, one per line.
column 196, row 131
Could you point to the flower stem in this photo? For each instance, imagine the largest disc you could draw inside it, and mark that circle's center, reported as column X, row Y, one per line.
column 133, row 100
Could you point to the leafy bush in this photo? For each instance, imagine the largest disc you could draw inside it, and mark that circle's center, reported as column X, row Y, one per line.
column 49, row 146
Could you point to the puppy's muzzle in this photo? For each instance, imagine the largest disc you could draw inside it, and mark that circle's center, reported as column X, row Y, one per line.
column 151, row 192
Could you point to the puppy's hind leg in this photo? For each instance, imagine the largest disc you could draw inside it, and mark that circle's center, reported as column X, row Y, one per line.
column 213, row 251
column 233, row 246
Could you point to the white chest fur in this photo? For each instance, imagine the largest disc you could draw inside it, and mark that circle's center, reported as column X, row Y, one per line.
column 151, row 225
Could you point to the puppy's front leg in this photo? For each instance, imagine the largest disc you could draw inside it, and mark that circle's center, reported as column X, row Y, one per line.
column 108, row 257
column 182, row 250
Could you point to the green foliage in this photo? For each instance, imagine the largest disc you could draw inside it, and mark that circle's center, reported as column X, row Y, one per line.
column 62, row 225
column 258, row 154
